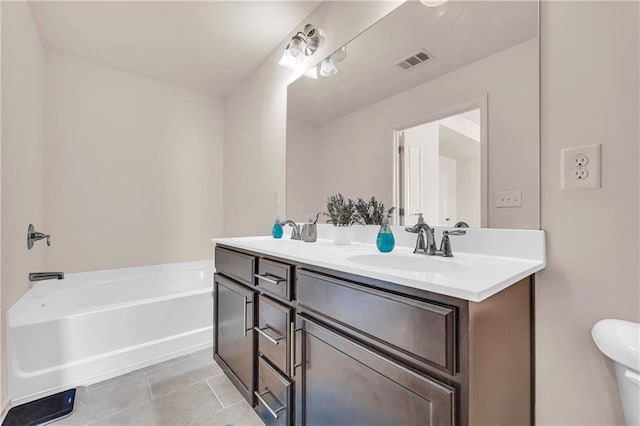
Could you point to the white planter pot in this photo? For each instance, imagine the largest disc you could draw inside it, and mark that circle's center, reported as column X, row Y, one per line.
column 342, row 235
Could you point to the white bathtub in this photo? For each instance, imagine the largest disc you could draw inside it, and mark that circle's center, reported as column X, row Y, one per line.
column 92, row 326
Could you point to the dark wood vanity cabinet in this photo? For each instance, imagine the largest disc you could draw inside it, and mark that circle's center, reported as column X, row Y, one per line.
column 343, row 382
column 332, row 348
column 234, row 342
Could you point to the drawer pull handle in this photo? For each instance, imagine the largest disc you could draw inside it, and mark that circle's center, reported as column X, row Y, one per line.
column 271, row 279
column 274, row 340
column 273, row 412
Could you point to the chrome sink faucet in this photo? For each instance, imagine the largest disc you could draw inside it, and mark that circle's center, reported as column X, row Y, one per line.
column 426, row 241
column 295, row 232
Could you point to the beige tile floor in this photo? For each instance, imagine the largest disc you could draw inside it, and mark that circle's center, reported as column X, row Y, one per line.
column 190, row 390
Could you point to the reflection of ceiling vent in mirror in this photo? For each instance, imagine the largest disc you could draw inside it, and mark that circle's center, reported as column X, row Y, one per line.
column 414, row 60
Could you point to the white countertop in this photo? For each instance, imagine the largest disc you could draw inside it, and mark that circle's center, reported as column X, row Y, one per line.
column 473, row 276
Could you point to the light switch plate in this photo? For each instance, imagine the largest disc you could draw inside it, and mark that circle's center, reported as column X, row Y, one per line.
column 508, row 199
column 580, row 167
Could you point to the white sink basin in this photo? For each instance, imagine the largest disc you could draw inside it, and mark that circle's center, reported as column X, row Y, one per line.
column 412, row 262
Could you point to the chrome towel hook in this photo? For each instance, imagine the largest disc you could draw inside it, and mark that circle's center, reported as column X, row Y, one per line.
column 33, row 236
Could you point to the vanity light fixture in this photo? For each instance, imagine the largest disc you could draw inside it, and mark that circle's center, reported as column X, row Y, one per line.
column 433, row 3
column 328, row 67
column 303, row 44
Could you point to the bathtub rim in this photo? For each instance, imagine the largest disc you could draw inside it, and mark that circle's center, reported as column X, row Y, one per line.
column 28, row 298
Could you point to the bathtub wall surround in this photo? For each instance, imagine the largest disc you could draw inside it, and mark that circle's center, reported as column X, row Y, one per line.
column 145, row 315
column 140, row 163
column 23, row 68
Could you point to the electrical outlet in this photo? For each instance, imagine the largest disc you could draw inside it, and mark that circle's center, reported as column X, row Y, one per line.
column 580, row 173
column 581, row 160
column 581, row 167
column 508, row 199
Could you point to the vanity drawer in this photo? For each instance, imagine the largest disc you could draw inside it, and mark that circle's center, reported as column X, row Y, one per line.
column 242, row 267
column 420, row 329
column 275, row 278
column 274, row 323
column 273, row 396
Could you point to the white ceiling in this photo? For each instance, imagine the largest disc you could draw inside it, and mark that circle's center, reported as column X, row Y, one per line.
column 209, row 47
column 457, row 33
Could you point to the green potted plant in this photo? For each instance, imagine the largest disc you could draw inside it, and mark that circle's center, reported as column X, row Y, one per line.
column 371, row 212
column 342, row 214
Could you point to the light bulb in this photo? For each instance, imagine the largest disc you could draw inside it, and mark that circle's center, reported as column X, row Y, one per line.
column 312, row 73
column 433, row 3
column 296, row 48
column 340, row 54
column 291, row 57
column 328, row 68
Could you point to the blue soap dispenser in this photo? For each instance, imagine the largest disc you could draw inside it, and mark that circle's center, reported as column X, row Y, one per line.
column 277, row 230
column 385, row 241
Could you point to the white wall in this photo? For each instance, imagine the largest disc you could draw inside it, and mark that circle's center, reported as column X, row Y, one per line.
column 304, row 142
column 255, row 121
column 468, row 175
column 589, row 71
column 22, row 154
column 357, row 149
column 134, row 168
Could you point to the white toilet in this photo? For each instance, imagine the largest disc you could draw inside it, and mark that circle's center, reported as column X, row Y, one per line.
column 620, row 341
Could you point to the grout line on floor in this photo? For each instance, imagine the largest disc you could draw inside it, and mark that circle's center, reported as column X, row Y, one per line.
column 146, row 378
column 214, row 393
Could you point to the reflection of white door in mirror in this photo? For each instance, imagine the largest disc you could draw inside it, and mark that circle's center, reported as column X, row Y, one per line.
column 439, row 172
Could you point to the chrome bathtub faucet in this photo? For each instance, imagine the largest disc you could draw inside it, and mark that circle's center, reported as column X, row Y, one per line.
column 41, row 276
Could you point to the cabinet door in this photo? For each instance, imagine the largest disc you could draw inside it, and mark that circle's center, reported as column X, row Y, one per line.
column 234, row 336
column 340, row 381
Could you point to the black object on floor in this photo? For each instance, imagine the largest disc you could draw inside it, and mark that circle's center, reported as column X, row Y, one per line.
column 42, row 411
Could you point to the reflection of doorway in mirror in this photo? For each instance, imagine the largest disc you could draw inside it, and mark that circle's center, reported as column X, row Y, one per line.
column 439, row 170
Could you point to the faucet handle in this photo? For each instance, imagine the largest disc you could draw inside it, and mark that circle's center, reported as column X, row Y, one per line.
column 33, row 236
column 445, row 245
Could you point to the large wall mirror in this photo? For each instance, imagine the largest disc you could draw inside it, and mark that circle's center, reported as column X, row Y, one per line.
column 432, row 110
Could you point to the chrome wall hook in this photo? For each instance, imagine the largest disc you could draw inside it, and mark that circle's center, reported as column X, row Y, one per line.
column 33, row 236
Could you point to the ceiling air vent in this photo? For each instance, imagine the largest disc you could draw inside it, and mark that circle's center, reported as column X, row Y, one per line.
column 414, row 60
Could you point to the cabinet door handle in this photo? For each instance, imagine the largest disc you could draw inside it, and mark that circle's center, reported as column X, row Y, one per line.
column 273, row 412
column 292, row 350
column 292, row 355
column 271, row 279
column 244, row 315
column 274, row 340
